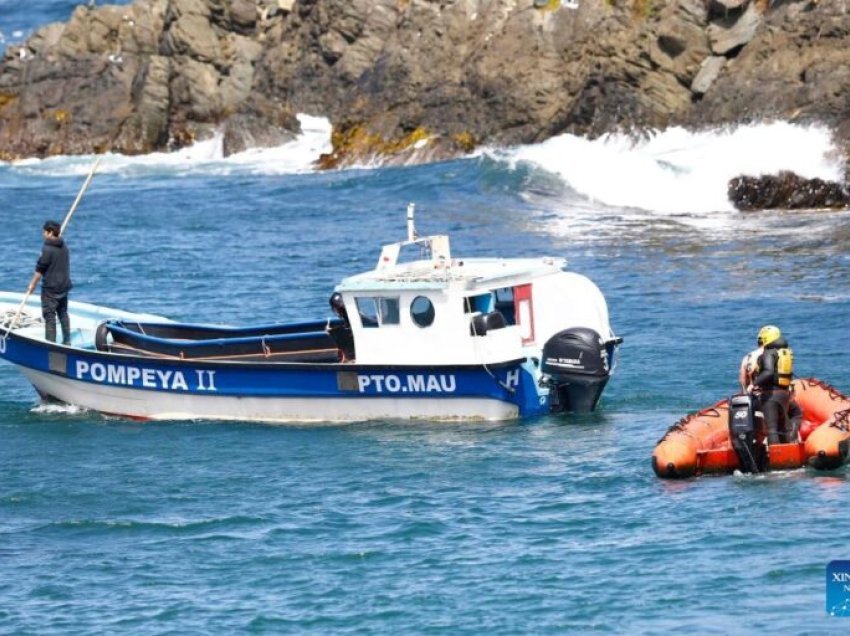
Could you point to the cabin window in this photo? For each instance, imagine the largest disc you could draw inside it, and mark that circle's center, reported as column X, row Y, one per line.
column 377, row 311
column 422, row 311
column 524, row 313
column 525, row 320
column 368, row 311
column 388, row 310
column 482, row 303
column 505, row 304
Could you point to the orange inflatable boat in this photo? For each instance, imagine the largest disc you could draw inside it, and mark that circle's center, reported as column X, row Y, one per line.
column 701, row 443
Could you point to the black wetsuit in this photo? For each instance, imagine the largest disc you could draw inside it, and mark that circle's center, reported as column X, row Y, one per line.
column 781, row 414
column 54, row 265
column 341, row 333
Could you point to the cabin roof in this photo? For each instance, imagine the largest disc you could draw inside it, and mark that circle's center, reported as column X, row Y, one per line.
column 469, row 274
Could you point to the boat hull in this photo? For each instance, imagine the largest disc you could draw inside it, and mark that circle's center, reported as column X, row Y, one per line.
column 700, row 443
column 171, row 389
column 276, row 383
column 159, row 405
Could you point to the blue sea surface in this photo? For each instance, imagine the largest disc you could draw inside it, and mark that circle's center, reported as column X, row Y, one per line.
column 550, row 526
column 553, row 525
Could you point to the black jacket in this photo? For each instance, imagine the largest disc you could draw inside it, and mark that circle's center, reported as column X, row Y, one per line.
column 54, row 265
column 767, row 376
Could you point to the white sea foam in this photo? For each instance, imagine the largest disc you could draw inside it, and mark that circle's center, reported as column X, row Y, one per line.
column 674, row 173
column 678, row 171
column 204, row 157
column 53, row 408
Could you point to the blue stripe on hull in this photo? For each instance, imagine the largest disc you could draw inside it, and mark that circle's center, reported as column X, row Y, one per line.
column 511, row 382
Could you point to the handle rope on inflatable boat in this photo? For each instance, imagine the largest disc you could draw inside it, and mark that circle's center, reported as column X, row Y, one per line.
column 680, row 426
column 833, row 393
column 841, row 420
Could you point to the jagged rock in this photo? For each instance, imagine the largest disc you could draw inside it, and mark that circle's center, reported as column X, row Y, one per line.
column 793, row 69
column 193, row 35
column 46, row 38
column 725, row 7
column 158, row 74
column 154, row 75
column 182, row 8
column 733, row 31
column 194, row 90
column 787, row 191
column 260, row 123
column 146, row 129
column 681, row 43
column 243, row 14
column 708, row 72
column 235, row 86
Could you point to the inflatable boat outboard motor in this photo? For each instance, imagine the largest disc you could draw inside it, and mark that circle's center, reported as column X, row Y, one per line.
column 576, row 369
column 743, row 434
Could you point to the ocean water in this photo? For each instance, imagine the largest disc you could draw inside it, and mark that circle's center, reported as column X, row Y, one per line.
column 547, row 526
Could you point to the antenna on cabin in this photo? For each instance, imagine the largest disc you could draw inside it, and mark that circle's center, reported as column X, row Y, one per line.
column 411, row 229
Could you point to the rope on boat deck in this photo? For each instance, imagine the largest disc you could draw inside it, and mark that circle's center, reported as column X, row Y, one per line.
column 24, row 319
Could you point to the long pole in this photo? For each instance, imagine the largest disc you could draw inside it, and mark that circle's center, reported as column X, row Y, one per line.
column 67, row 220
column 79, row 196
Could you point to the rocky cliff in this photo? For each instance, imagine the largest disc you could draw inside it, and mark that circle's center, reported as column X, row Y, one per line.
column 414, row 80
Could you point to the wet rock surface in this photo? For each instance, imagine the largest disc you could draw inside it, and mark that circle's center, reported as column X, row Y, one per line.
column 786, row 191
column 417, row 80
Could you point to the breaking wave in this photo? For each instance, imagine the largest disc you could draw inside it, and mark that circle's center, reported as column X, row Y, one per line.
column 202, row 158
column 677, row 171
column 672, row 176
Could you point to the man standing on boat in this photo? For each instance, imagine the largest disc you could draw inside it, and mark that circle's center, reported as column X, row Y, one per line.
column 53, row 269
column 769, row 371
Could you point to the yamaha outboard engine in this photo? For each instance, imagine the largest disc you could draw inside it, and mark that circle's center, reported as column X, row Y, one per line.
column 743, row 434
column 576, row 363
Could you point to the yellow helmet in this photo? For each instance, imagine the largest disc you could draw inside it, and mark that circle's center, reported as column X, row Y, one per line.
column 768, row 334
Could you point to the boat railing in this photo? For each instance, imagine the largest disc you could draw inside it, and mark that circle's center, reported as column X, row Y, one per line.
column 192, row 331
column 301, row 342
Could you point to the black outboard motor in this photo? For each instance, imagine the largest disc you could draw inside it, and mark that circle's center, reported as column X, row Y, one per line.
column 576, row 363
column 743, row 434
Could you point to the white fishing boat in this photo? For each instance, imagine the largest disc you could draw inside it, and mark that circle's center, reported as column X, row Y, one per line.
column 422, row 335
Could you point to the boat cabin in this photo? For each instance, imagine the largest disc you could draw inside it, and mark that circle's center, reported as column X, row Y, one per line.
column 438, row 310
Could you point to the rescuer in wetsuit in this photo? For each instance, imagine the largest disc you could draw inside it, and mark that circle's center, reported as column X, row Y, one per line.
column 770, row 382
